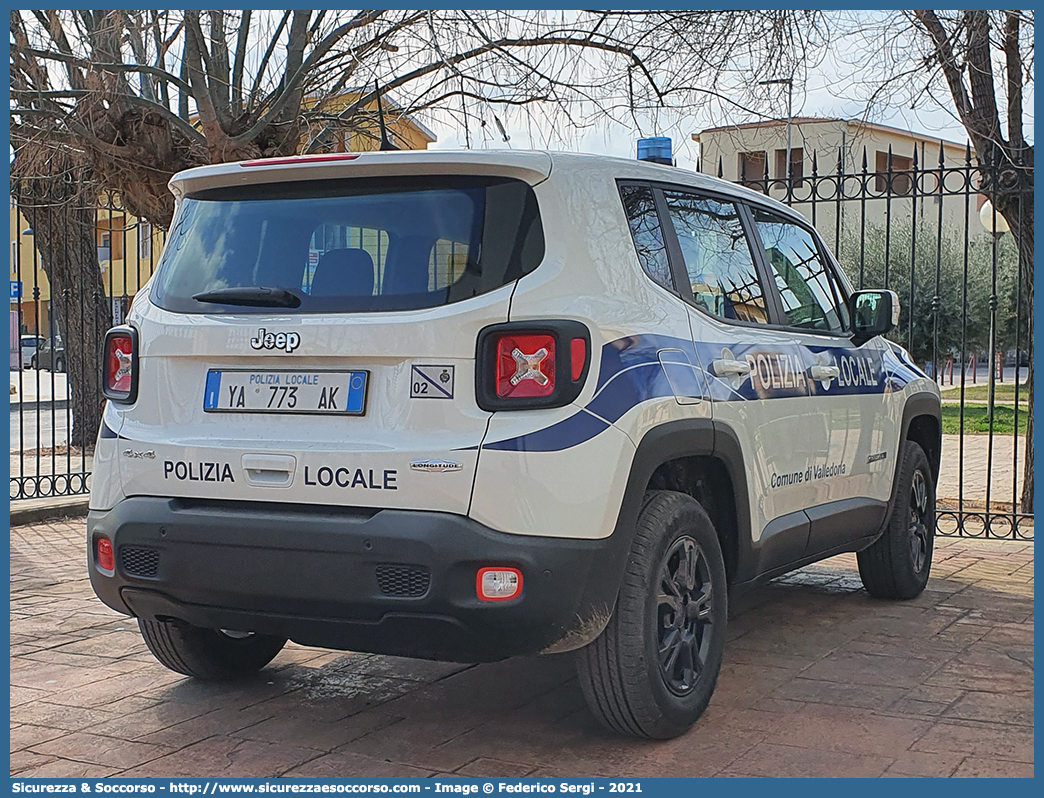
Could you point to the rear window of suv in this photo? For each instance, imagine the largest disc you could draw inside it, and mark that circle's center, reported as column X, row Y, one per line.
column 351, row 245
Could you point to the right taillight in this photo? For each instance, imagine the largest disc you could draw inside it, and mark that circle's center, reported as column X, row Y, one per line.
column 120, row 365
column 532, row 364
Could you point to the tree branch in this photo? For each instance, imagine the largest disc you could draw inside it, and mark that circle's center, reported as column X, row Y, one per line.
column 157, row 72
column 948, row 62
column 239, row 63
column 1013, row 64
column 980, row 76
column 291, row 85
column 259, row 75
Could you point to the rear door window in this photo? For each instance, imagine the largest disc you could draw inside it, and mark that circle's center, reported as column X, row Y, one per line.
column 351, row 245
column 644, row 223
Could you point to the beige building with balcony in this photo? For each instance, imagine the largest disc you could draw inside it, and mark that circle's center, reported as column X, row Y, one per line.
column 743, row 153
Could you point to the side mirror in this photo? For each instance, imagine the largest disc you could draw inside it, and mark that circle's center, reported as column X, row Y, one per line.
column 873, row 313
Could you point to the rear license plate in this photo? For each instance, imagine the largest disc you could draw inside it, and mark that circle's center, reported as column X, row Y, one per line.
column 316, row 392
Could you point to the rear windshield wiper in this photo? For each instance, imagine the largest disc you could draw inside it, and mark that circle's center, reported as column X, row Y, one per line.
column 256, row 296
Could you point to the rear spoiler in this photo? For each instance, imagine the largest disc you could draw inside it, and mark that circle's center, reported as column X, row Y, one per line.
column 532, row 167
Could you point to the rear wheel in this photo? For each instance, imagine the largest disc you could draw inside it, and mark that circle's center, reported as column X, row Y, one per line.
column 59, row 365
column 896, row 566
column 208, row 653
column 652, row 670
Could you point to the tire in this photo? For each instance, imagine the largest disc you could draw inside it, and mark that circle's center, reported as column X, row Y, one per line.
column 208, row 653
column 32, row 362
column 897, row 565
column 620, row 672
column 59, row 366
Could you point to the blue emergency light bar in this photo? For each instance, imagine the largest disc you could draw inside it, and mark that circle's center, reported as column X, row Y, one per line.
column 656, row 149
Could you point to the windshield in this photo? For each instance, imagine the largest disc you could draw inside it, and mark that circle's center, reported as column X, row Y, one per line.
column 356, row 245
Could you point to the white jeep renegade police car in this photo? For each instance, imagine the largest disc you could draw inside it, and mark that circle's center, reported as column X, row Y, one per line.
column 469, row 405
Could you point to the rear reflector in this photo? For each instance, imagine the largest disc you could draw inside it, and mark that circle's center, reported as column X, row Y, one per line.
column 103, row 554
column 525, row 365
column 294, row 159
column 577, row 357
column 498, row 584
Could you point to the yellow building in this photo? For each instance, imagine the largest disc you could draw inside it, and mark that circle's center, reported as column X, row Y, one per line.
column 129, row 248
column 404, row 131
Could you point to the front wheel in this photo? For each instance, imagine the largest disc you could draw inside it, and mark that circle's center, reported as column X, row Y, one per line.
column 211, row 654
column 59, row 366
column 896, row 566
column 652, row 670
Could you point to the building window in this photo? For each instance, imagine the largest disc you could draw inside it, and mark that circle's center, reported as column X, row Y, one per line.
column 144, row 240
column 797, row 165
column 901, row 174
column 752, row 169
column 110, row 245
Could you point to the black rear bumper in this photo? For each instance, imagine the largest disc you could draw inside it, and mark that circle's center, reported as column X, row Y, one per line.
column 384, row 581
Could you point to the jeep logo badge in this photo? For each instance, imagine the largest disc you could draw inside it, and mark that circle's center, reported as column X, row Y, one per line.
column 288, row 342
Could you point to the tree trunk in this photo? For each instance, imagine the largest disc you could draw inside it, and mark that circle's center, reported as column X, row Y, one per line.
column 64, row 235
column 1025, row 241
column 1018, row 212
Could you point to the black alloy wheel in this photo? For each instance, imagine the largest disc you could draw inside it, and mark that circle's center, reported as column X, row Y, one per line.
column 684, row 616
column 920, row 536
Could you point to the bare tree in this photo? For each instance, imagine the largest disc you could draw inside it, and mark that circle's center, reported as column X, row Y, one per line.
column 145, row 94
column 56, row 193
column 121, row 100
column 978, row 65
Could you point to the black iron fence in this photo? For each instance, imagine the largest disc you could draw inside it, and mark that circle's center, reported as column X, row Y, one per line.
column 917, row 223
column 918, row 230
column 46, row 460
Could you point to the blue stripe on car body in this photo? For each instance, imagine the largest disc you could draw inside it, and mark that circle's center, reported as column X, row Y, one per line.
column 631, row 373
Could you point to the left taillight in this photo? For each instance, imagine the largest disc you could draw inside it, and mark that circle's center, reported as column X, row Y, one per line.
column 120, row 365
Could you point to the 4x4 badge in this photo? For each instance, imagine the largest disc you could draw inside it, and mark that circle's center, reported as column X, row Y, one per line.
column 436, row 466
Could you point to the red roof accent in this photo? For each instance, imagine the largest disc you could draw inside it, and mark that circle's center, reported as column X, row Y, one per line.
column 337, row 156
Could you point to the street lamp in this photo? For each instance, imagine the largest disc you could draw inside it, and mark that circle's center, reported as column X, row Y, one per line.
column 992, row 225
column 789, row 83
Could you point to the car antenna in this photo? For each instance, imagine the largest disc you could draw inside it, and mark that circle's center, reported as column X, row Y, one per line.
column 385, row 143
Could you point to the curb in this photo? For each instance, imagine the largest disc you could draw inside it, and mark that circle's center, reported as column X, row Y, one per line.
column 34, row 511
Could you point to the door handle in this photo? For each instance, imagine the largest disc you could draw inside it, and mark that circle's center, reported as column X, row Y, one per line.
column 824, row 373
column 723, row 367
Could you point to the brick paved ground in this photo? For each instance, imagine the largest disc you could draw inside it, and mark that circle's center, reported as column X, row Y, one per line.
column 973, row 470
column 818, row 680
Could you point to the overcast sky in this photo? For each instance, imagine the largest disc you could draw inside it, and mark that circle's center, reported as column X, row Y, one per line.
column 825, row 94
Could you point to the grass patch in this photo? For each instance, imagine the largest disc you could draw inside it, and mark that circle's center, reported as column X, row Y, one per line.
column 976, row 421
column 1002, row 392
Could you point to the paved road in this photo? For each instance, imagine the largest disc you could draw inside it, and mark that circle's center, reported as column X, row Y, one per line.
column 982, row 376
column 54, row 423
column 969, row 470
column 818, row 680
